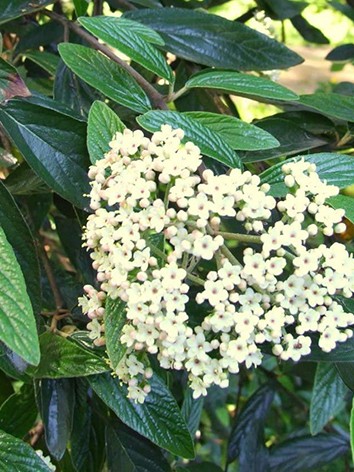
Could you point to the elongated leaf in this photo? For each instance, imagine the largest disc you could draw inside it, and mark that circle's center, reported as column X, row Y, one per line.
column 344, row 52
column 245, row 85
column 11, row 84
column 16, row 8
column 307, row 453
column 80, row 433
column 114, row 321
column 158, row 418
column 336, row 169
column 237, row 133
column 119, row 33
column 345, row 202
column 327, row 396
column 64, row 358
column 19, row 236
column 214, row 41
column 285, row 9
column 330, row 104
column 308, row 31
column 57, row 407
column 18, row 413
column 18, row 326
column 46, row 60
column 15, row 455
column 345, row 9
column 54, row 146
column 210, row 143
column 113, row 81
column 103, row 123
column 192, row 411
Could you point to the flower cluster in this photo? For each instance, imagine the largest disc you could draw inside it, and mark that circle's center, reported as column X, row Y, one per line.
column 158, row 230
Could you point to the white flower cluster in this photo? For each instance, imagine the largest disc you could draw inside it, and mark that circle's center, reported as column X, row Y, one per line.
column 157, row 230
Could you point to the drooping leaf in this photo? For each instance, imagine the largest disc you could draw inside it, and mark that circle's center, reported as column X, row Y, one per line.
column 16, row 455
column 307, row 453
column 19, row 236
column 16, row 8
column 114, row 319
column 18, row 413
column 336, row 169
column 158, row 418
column 244, row 85
column 53, row 144
column 18, row 326
column 330, row 104
column 103, row 123
column 210, row 143
column 122, row 34
column 11, row 84
column 344, row 52
column 214, row 41
column 56, row 407
column 113, row 81
column 347, row 10
column 46, row 60
column 308, row 31
column 64, row 358
column 192, row 411
column 327, row 396
column 345, row 202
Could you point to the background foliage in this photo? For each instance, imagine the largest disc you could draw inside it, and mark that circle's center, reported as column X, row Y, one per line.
column 63, row 94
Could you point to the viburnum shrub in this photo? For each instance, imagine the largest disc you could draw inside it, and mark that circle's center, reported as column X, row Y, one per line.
column 279, row 291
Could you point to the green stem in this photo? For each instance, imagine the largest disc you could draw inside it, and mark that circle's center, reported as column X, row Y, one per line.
column 172, row 97
column 242, row 238
column 228, row 254
column 195, row 279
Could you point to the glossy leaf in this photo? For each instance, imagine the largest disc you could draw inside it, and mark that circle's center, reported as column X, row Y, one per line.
column 327, row 396
column 330, row 104
column 19, row 236
column 114, row 320
column 56, row 407
column 81, row 426
column 16, row 8
column 214, row 41
column 11, row 84
column 245, row 85
column 307, row 453
column 64, row 358
column 120, row 34
column 54, row 146
column 103, row 123
column 236, row 133
column 113, row 81
column 18, row 413
column 12, row 364
column 345, row 202
column 210, row 143
column 16, row 455
column 46, row 60
column 158, row 418
column 18, row 326
column 336, row 169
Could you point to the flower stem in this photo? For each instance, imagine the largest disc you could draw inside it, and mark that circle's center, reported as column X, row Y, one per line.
column 242, row 238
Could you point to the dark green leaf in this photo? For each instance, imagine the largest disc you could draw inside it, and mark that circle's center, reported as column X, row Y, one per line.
column 16, row 8
column 351, row 426
column 344, row 352
column 306, row 453
column 344, row 52
column 18, row 413
column 23, row 181
column 18, row 326
column 121, row 34
column 346, row 372
column 345, row 202
column 200, row 467
column 214, row 41
column 81, row 6
column 46, row 60
column 80, row 434
column 113, row 80
column 19, row 236
column 285, row 9
column 237, row 133
column 40, row 35
column 210, row 143
column 103, row 123
column 158, row 418
column 57, row 407
column 245, row 85
column 53, row 144
column 336, row 169
column 12, row 364
column 308, row 31
column 64, row 358
column 114, row 320
column 15, row 455
column 330, row 104
column 11, row 84
column 192, row 411
column 327, row 396
column 345, row 9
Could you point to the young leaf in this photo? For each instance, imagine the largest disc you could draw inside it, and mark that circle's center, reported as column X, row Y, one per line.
column 158, row 418
column 327, row 396
column 114, row 319
column 214, row 41
column 113, row 81
column 18, row 326
column 11, row 84
column 16, row 455
column 244, row 85
column 103, row 123
column 345, row 202
column 119, row 33
column 330, row 104
column 64, row 358
column 210, row 143
column 53, row 144
column 57, row 407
